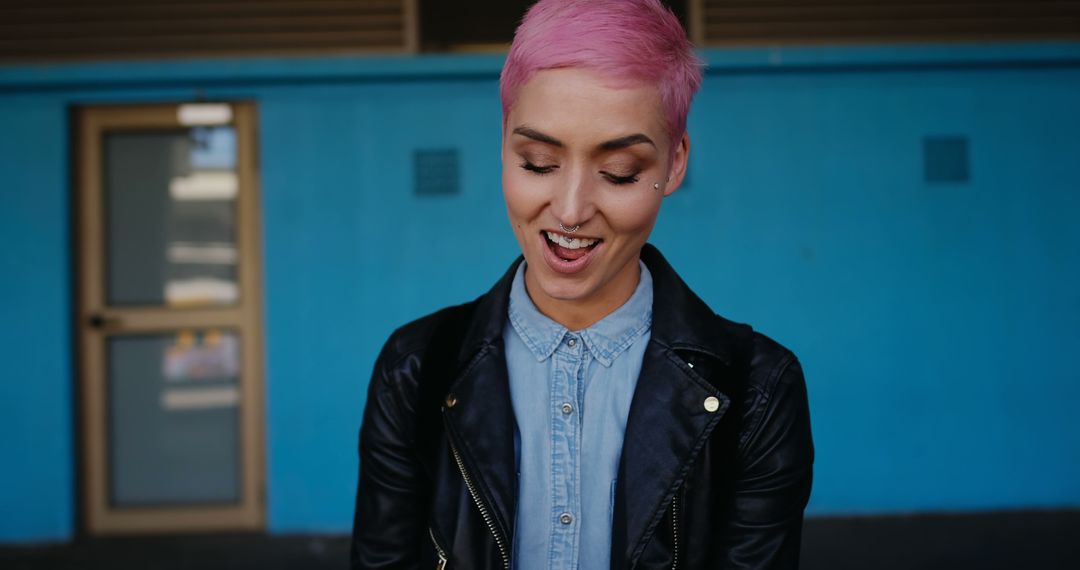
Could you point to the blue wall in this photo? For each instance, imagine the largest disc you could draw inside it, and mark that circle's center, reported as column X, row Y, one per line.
column 36, row 408
column 935, row 321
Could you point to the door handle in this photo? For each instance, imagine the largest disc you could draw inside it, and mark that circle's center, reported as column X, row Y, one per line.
column 102, row 322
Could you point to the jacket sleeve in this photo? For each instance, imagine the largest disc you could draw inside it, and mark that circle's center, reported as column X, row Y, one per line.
column 772, row 487
column 389, row 520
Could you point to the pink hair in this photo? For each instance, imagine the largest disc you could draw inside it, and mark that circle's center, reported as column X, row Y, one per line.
column 629, row 41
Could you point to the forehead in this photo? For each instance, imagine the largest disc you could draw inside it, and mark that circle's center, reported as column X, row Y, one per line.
column 581, row 105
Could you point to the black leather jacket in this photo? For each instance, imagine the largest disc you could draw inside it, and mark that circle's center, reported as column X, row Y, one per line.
column 697, row 488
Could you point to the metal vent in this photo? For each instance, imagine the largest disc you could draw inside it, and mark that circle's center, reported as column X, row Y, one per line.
column 35, row 30
column 945, row 159
column 436, row 172
column 718, row 22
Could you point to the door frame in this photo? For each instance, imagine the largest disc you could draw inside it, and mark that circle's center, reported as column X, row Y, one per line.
column 98, row 517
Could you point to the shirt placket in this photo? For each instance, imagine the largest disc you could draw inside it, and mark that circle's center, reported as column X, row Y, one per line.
column 566, row 451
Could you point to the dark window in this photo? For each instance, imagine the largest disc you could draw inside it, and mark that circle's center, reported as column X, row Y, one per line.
column 739, row 22
column 107, row 29
column 463, row 25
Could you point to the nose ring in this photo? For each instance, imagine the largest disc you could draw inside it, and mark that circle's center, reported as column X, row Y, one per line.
column 570, row 229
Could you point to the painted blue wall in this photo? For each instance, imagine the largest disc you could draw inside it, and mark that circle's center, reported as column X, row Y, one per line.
column 935, row 321
column 36, row 409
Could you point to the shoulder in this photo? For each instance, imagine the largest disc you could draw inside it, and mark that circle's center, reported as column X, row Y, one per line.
column 759, row 358
column 408, row 344
column 426, row 352
column 768, row 375
column 770, row 364
column 396, row 393
column 773, row 387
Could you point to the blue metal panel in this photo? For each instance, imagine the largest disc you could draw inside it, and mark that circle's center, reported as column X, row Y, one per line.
column 936, row 327
column 37, row 494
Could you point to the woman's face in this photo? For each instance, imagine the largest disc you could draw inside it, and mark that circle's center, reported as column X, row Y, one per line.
column 581, row 153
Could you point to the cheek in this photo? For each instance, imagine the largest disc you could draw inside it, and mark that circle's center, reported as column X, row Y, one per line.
column 632, row 215
column 524, row 197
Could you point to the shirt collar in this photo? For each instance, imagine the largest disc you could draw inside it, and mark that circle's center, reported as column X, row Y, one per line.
column 606, row 339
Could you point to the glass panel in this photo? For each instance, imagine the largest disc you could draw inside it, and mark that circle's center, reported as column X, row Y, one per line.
column 174, row 403
column 171, row 217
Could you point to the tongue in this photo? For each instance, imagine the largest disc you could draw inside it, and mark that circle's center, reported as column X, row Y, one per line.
column 567, row 253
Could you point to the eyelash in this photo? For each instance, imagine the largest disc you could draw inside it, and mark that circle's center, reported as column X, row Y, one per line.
column 621, row 180
column 542, row 170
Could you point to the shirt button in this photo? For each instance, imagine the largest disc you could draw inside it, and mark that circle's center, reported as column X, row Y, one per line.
column 712, row 404
column 566, row 518
column 567, row 408
column 572, row 342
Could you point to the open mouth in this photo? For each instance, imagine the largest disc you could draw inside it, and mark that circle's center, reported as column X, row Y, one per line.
column 567, row 253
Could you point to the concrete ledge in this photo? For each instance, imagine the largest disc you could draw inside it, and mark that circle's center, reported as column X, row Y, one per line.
column 1045, row 540
column 1010, row 540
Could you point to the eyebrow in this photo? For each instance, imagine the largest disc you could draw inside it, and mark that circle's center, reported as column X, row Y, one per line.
column 613, row 144
column 623, row 142
column 537, row 136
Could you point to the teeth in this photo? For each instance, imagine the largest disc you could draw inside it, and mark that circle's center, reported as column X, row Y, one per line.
column 570, row 243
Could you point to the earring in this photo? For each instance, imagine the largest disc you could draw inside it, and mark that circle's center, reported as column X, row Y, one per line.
column 656, row 185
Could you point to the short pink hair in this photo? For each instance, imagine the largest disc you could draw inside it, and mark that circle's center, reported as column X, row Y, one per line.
column 629, row 41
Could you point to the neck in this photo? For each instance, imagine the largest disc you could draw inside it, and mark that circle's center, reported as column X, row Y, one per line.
column 577, row 314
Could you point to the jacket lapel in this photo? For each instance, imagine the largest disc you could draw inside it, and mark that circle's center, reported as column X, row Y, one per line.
column 669, row 420
column 667, row 426
column 478, row 409
column 482, row 418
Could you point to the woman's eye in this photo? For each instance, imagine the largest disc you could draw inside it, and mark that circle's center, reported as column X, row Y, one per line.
column 539, row 169
column 620, row 180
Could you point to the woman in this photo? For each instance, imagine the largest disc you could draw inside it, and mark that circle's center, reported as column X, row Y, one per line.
column 589, row 411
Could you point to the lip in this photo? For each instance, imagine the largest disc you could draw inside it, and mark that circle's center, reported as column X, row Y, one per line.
column 563, row 267
column 562, row 233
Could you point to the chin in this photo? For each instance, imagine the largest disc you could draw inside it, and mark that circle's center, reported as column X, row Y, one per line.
column 563, row 288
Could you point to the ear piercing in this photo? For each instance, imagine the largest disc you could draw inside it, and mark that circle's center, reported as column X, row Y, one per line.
column 656, row 185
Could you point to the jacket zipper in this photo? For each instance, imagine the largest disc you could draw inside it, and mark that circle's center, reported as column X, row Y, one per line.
column 675, row 530
column 441, row 564
column 480, row 505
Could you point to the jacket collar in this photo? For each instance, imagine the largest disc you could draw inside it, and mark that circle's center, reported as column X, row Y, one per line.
column 691, row 357
column 681, row 320
column 486, row 325
column 605, row 339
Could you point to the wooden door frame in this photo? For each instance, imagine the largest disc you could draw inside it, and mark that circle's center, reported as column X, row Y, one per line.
column 97, row 516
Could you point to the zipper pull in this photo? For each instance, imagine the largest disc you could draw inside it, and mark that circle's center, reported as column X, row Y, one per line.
column 441, row 563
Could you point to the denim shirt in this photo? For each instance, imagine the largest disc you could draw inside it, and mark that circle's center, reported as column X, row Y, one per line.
column 571, row 393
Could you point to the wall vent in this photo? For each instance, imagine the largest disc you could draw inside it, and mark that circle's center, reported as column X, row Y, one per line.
column 436, row 172
column 945, row 159
column 44, row 30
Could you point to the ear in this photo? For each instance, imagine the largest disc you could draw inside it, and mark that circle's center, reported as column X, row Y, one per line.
column 677, row 171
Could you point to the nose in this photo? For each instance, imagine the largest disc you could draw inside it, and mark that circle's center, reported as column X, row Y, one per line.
column 574, row 202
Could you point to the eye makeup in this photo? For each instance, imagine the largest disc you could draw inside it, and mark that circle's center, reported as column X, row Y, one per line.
column 620, row 180
column 538, row 169
column 618, row 173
